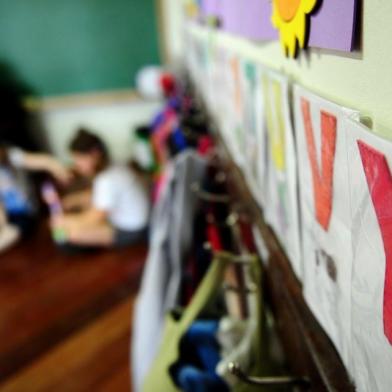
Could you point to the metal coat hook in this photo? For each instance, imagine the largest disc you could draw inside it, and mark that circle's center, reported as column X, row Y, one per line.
column 236, row 370
column 245, row 259
column 250, row 289
column 230, row 221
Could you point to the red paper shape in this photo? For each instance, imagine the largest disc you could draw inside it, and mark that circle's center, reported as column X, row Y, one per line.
column 322, row 180
column 235, row 69
column 379, row 180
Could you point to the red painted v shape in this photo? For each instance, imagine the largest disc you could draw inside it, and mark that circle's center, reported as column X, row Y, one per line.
column 379, row 181
column 322, row 179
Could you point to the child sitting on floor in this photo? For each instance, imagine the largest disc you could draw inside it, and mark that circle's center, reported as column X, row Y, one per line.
column 17, row 201
column 115, row 212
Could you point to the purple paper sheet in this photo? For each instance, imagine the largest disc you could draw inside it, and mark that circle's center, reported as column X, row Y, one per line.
column 210, row 7
column 231, row 16
column 332, row 27
column 257, row 21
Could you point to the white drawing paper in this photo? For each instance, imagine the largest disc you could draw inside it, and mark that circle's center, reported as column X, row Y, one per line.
column 280, row 173
column 326, row 237
column 371, row 359
column 253, row 116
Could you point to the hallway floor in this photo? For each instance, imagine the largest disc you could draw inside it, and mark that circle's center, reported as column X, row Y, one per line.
column 65, row 319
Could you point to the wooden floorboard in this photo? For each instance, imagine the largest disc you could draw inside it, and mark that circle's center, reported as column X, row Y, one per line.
column 48, row 297
column 86, row 361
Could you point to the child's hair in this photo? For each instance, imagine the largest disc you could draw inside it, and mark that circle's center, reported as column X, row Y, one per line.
column 85, row 142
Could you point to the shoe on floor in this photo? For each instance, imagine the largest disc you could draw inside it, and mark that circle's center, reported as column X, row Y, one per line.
column 9, row 235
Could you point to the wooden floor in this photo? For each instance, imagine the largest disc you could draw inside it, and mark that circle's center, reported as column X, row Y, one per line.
column 65, row 319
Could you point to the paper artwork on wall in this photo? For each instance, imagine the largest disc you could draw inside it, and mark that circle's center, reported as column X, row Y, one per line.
column 254, row 149
column 333, row 25
column 233, row 117
column 339, row 239
column 191, row 8
column 290, row 17
column 328, row 24
column 281, row 210
column 197, row 59
column 218, row 84
column 370, row 165
column 325, row 213
column 210, row 8
column 256, row 21
column 231, row 12
column 227, row 102
column 211, row 75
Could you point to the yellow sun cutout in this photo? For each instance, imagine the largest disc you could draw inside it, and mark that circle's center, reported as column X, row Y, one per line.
column 191, row 8
column 289, row 17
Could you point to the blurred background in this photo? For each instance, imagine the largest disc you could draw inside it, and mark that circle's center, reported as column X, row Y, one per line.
column 72, row 63
column 65, row 64
column 94, row 110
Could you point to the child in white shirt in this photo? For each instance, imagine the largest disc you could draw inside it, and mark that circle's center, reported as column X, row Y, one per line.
column 115, row 212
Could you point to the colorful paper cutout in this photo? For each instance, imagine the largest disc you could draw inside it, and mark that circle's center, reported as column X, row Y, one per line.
column 249, row 87
column 322, row 179
column 252, row 120
column 191, row 8
column 379, row 180
column 235, row 69
column 237, row 123
column 256, row 21
column 231, row 12
column 281, row 207
column 326, row 221
column 290, row 18
column 210, row 8
column 275, row 122
column 331, row 25
column 371, row 352
column 230, row 112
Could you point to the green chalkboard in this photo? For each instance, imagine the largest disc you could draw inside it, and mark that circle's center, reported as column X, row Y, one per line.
column 68, row 46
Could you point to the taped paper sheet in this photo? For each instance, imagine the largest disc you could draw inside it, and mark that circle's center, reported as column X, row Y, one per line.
column 370, row 168
column 281, row 210
column 325, row 213
column 253, row 116
column 231, row 118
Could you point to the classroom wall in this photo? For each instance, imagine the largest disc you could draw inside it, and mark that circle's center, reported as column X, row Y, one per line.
column 111, row 116
column 68, row 46
column 361, row 80
column 172, row 20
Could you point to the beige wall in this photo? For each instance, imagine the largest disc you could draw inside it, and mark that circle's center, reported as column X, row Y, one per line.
column 362, row 80
column 172, row 18
column 113, row 116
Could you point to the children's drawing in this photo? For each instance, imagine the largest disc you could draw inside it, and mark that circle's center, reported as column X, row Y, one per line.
column 281, row 210
column 325, row 213
column 369, row 159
